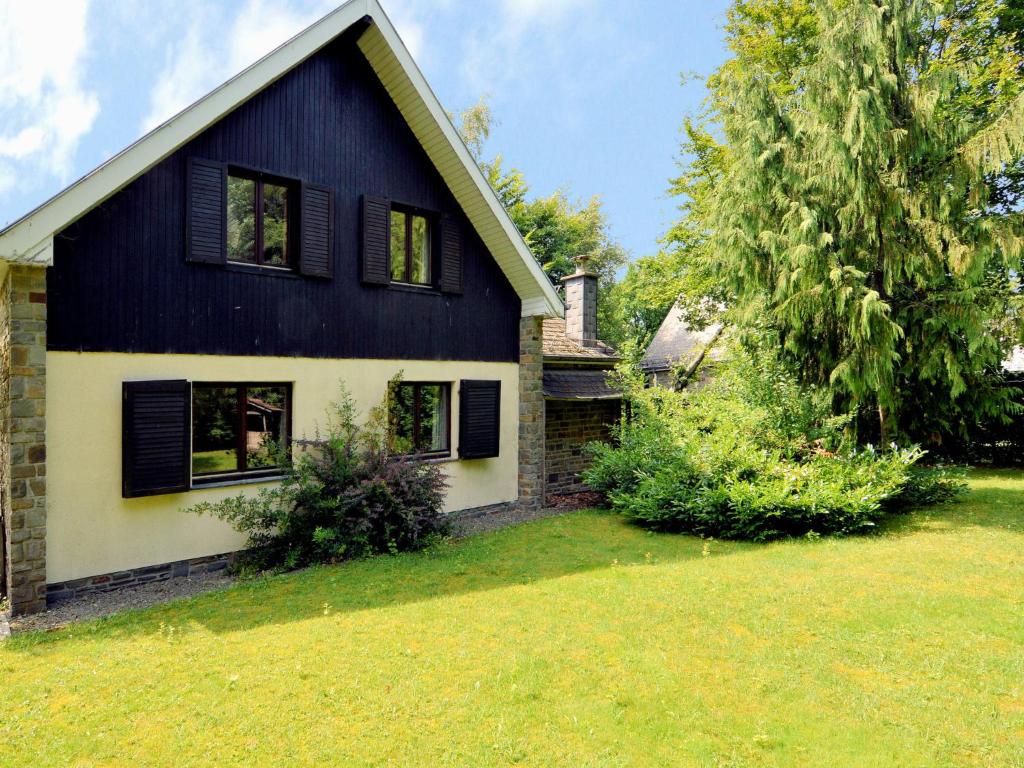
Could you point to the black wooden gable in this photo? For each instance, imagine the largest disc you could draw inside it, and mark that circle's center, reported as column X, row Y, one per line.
column 126, row 278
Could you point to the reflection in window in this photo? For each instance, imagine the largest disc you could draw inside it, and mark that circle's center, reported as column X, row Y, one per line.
column 398, row 220
column 419, row 418
column 410, row 248
column 241, row 220
column 275, row 225
column 257, row 222
column 238, row 428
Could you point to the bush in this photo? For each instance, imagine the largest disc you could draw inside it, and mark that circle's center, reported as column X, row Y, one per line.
column 753, row 456
column 342, row 496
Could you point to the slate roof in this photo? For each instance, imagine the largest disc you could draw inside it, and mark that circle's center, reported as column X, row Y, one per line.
column 677, row 343
column 557, row 344
column 579, row 384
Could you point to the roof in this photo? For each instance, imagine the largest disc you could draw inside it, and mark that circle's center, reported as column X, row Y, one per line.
column 30, row 238
column 579, row 384
column 676, row 343
column 558, row 345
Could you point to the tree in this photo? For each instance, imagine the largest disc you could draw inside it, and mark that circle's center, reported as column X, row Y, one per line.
column 857, row 204
column 558, row 229
column 774, row 35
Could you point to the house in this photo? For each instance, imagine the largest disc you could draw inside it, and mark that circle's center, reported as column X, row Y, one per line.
column 314, row 220
column 678, row 354
column 580, row 404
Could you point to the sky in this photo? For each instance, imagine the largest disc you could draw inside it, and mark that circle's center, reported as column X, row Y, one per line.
column 587, row 94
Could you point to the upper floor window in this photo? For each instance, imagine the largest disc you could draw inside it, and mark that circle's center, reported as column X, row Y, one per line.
column 258, row 217
column 252, row 218
column 410, row 247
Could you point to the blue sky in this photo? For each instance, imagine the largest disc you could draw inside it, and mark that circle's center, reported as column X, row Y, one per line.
column 587, row 92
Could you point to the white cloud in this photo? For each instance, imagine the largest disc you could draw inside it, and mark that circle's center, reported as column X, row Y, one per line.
column 521, row 37
column 44, row 108
column 205, row 57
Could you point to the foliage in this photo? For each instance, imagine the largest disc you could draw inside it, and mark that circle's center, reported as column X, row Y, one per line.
column 855, row 180
column 753, row 455
column 342, row 496
column 558, row 229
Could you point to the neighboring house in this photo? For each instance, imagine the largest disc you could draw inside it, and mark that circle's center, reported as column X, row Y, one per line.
column 314, row 220
column 679, row 355
column 1014, row 363
column 580, row 405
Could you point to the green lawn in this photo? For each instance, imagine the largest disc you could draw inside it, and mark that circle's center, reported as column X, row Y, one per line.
column 214, row 461
column 575, row 641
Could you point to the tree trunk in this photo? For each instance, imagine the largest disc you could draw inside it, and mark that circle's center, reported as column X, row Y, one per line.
column 884, row 426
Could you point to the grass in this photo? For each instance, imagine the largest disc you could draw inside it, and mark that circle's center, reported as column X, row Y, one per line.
column 214, row 461
column 574, row 641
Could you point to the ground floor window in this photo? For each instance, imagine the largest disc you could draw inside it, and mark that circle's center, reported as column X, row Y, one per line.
column 419, row 418
column 239, row 429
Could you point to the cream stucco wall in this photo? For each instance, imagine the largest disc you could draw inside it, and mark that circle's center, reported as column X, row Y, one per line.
column 93, row 530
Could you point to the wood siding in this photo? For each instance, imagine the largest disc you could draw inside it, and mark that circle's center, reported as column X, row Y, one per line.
column 121, row 283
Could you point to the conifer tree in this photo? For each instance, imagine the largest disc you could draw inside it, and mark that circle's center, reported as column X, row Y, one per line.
column 856, row 210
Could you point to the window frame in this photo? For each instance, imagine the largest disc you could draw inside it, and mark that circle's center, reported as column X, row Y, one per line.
column 293, row 193
column 446, row 388
column 431, row 218
column 241, row 453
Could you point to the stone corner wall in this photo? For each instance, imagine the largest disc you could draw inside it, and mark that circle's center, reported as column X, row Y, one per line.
column 23, row 441
column 531, row 413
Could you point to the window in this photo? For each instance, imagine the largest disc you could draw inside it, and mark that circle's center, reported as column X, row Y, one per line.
column 419, row 418
column 258, row 213
column 239, row 429
column 410, row 247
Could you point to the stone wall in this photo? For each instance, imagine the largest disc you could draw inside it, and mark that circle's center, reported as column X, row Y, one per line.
column 111, row 582
column 570, row 425
column 531, row 413
column 23, row 442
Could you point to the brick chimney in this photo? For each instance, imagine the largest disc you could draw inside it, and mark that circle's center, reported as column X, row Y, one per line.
column 581, row 305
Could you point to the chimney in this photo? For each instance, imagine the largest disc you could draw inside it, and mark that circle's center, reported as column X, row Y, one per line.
column 581, row 305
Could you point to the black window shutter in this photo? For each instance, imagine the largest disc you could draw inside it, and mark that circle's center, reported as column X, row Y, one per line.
column 207, row 212
column 156, row 437
column 376, row 240
column 451, row 256
column 479, row 418
column 316, row 229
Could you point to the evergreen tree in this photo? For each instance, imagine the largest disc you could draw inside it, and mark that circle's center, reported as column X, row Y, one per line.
column 855, row 208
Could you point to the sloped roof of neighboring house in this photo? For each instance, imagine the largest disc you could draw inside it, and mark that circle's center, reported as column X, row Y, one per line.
column 1015, row 362
column 30, row 238
column 676, row 343
column 558, row 345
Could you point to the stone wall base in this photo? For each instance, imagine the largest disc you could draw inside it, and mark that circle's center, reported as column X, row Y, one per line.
column 109, row 582
column 474, row 513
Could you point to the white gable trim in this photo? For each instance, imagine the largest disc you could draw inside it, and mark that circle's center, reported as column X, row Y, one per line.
column 30, row 239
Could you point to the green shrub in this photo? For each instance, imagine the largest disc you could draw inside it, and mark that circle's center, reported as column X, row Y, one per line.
column 343, row 496
column 753, row 456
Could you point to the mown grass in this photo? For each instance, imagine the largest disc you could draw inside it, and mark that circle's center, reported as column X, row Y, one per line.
column 574, row 641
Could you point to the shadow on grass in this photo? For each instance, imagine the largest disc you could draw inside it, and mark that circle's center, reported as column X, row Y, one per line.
column 551, row 548
column 995, row 500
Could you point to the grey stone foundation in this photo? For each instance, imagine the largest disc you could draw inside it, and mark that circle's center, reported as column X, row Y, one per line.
column 474, row 513
column 109, row 582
